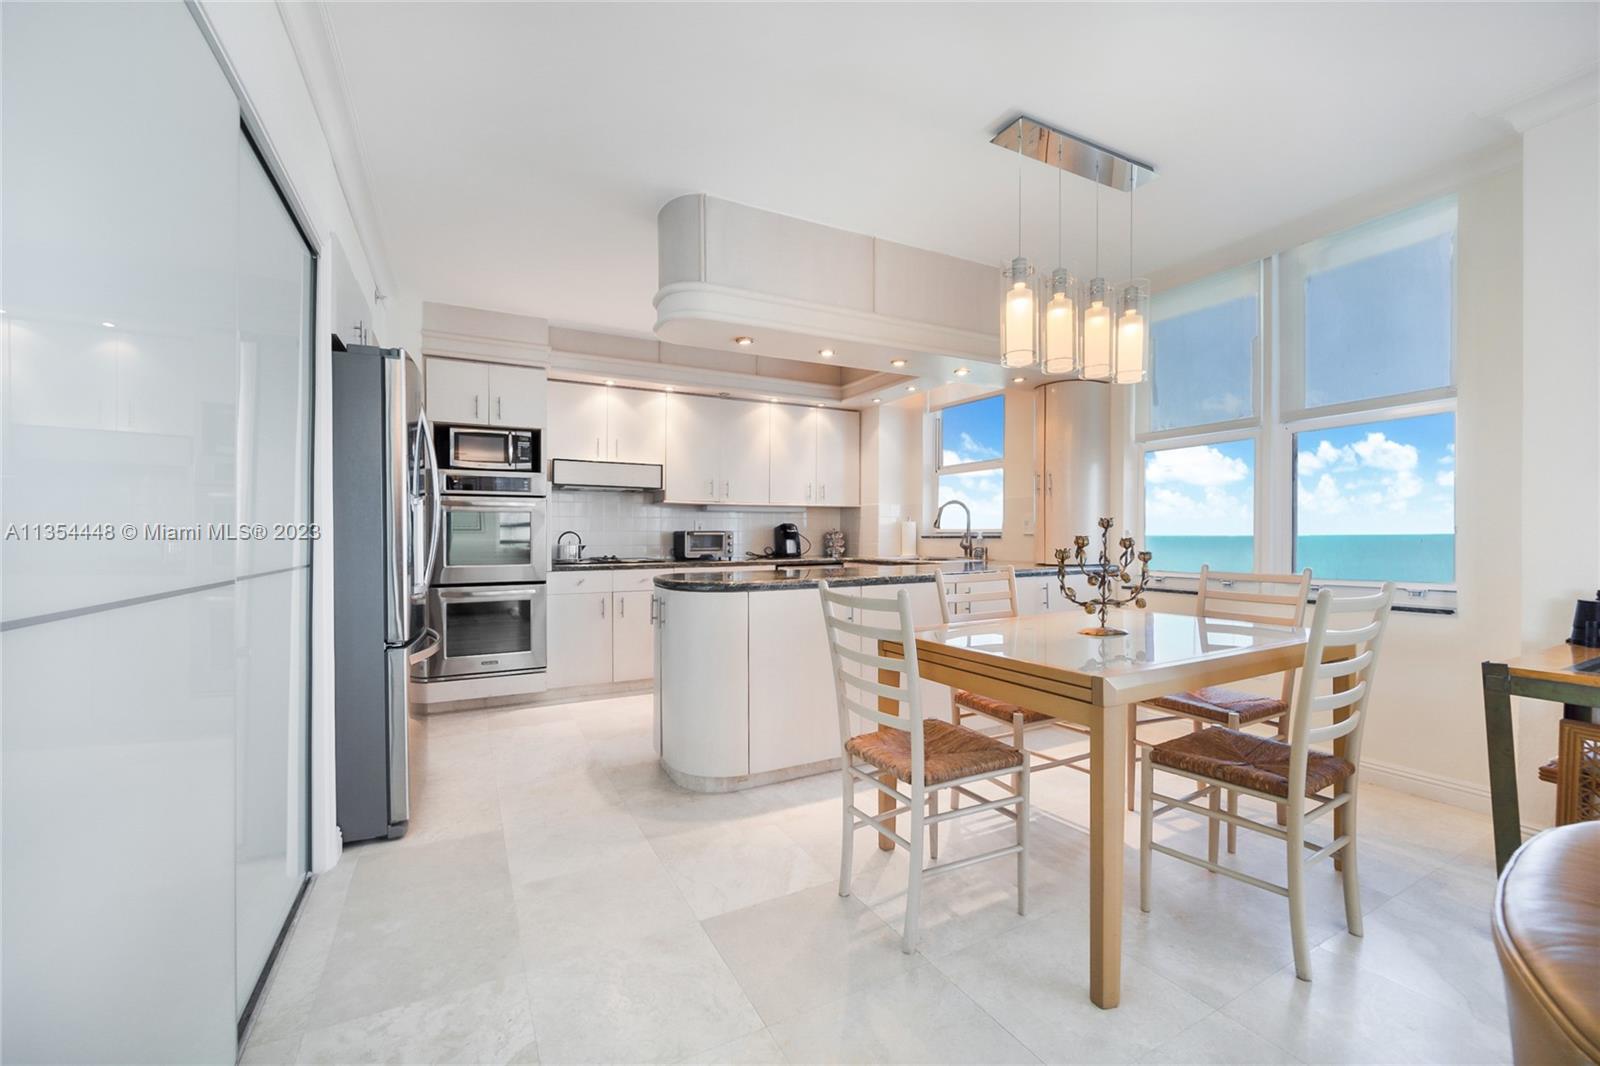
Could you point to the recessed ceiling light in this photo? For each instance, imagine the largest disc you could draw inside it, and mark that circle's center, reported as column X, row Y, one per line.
column 826, row 353
column 911, row 388
column 876, row 400
column 1017, row 380
column 897, row 362
column 671, row 388
column 610, row 382
column 772, row 399
column 744, row 342
column 819, row 405
column 962, row 371
column 109, row 325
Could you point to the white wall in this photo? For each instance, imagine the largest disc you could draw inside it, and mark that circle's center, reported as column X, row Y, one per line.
column 1560, row 396
column 257, row 50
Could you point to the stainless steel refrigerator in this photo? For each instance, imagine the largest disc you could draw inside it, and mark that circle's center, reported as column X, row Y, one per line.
column 385, row 532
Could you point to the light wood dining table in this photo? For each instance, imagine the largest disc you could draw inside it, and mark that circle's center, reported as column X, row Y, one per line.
column 1043, row 663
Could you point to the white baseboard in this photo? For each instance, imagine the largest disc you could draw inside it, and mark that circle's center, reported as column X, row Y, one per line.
column 1449, row 790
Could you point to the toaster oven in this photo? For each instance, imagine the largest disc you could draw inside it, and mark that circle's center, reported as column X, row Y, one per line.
column 688, row 544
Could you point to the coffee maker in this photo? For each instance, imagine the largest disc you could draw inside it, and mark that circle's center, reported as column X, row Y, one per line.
column 786, row 541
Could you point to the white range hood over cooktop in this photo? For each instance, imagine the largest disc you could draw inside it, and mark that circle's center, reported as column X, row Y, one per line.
column 793, row 289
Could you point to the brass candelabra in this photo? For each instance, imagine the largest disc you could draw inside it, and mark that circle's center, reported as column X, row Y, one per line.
column 1110, row 570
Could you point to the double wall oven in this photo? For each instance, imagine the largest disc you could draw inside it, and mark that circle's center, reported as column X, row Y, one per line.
column 487, row 594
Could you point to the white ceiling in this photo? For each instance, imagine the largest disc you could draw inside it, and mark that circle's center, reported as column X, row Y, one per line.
column 518, row 153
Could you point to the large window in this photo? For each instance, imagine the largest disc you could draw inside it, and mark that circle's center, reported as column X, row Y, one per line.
column 1375, row 501
column 1199, row 506
column 971, row 449
column 1355, row 443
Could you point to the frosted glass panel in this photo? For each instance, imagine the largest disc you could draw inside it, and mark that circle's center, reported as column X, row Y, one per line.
column 1203, row 344
column 1371, row 311
column 273, row 590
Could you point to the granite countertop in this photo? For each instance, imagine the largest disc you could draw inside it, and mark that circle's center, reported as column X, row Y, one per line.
column 679, row 564
column 851, row 575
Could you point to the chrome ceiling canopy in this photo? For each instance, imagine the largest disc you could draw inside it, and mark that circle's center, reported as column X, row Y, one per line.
column 1074, row 154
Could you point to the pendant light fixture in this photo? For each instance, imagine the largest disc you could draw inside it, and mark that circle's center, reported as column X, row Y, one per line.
column 1133, row 314
column 1060, row 332
column 1097, row 343
column 1019, row 319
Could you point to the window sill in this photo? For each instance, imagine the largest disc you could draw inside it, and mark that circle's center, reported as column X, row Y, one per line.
column 941, row 534
column 1445, row 605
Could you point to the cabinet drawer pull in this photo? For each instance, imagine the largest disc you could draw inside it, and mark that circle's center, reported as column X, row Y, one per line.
column 497, row 415
column 602, row 607
column 622, row 607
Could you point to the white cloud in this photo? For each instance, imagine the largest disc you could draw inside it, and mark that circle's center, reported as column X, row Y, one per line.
column 1325, row 498
column 1326, row 457
column 1201, row 466
column 1380, row 452
column 1446, row 479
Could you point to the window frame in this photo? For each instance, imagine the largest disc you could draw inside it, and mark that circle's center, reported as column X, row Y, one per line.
column 939, row 467
column 1280, row 417
column 1258, row 395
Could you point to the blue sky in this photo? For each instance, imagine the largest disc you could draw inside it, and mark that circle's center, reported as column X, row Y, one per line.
column 1396, row 476
column 972, row 433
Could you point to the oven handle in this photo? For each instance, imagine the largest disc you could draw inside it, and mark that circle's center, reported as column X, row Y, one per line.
column 485, row 594
column 472, row 503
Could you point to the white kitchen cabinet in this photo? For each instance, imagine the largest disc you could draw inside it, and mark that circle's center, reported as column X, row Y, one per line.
column 718, row 451
column 712, row 742
column 838, row 458
column 631, row 635
column 603, row 422
column 794, row 717
column 636, row 425
column 577, row 422
column 458, row 391
column 485, row 394
column 579, row 642
column 694, row 445
column 517, row 396
column 746, row 452
column 794, row 455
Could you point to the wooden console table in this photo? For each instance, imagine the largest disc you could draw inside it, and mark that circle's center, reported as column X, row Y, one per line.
column 1566, row 673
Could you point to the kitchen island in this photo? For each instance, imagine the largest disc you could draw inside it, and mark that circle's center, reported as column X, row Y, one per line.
column 744, row 690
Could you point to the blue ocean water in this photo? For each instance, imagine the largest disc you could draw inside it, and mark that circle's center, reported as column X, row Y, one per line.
column 1421, row 557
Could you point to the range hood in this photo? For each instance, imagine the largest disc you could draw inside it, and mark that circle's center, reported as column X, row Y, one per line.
column 594, row 474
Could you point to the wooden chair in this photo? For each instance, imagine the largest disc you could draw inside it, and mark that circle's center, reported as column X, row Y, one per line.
column 926, row 755
column 1311, row 784
column 1276, row 599
column 993, row 594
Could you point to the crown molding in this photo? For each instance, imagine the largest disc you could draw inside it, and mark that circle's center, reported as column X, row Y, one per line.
column 1550, row 103
column 316, row 50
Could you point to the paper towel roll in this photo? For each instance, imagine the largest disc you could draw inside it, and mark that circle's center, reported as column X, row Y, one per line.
column 908, row 537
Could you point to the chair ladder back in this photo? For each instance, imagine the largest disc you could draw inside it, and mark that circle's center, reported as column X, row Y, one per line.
column 1365, row 641
column 857, row 693
column 970, row 597
column 1278, row 599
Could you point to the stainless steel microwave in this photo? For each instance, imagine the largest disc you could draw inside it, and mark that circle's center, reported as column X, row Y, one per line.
column 485, row 448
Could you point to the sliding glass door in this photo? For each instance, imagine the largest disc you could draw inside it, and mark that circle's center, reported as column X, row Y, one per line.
column 156, row 347
column 272, row 588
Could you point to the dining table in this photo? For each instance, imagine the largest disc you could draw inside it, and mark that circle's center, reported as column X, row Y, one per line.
column 1044, row 663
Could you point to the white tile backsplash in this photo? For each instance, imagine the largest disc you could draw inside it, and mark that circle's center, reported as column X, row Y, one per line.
column 629, row 524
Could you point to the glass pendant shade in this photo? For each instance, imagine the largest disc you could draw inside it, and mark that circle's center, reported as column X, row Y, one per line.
column 1097, row 344
column 1133, row 334
column 1061, row 325
column 1019, row 319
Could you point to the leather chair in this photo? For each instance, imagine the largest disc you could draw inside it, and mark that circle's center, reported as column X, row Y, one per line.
column 1547, row 930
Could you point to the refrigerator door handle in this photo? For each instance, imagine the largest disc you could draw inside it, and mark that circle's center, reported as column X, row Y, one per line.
column 436, row 519
column 397, row 517
column 399, row 761
column 428, row 646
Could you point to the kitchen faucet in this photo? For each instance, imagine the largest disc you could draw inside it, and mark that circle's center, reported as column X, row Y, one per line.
column 967, row 548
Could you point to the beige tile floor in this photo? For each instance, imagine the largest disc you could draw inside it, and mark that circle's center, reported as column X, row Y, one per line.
column 559, row 900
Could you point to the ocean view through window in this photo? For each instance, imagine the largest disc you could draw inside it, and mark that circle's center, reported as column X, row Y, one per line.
column 1199, row 507
column 1376, row 501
